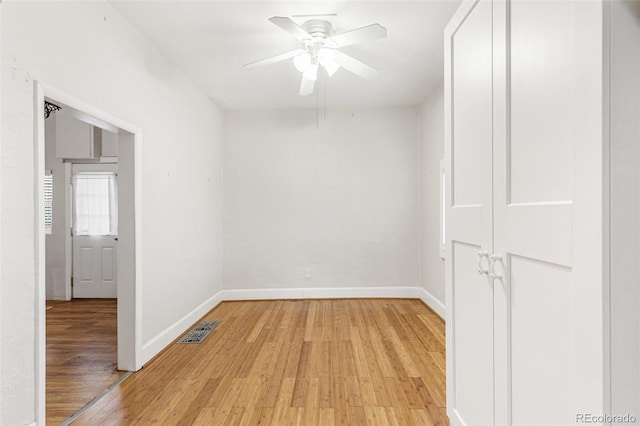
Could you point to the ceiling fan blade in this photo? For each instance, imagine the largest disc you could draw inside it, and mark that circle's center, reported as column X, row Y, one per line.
column 291, row 27
column 306, row 86
column 370, row 32
column 355, row 66
column 273, row 59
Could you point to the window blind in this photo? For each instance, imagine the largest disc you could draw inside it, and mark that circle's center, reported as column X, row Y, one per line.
column 48, row 203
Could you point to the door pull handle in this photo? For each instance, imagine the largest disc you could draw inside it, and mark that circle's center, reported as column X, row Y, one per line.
column 494, row 258
column 481, row 269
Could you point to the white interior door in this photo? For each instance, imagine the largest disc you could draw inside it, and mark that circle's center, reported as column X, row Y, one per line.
column 468, row 163
column 94, row 229
column 547, row 211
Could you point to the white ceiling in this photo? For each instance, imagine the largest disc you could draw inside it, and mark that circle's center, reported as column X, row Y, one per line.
column 211, row 40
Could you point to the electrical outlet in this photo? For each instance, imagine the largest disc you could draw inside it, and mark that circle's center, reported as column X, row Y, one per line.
column 307, row 272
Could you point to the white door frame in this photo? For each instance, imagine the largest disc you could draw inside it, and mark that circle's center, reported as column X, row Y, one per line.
column 129, row 300
column 68, row 241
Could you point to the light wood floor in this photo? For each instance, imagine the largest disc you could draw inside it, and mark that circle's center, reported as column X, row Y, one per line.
column 81, row 354
column 308, row 362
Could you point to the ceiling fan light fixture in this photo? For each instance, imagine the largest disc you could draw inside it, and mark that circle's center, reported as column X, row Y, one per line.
column 302, row 61
column 327, row 59
column 311, row 73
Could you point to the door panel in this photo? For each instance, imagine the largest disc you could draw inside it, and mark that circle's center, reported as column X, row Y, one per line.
column 540, row 342
column 468, row 158
column 108, row 264
column 472, row 107
column 94, row 266
column 466, row 224
column 543, row 93
column 84, row 266
column 552, row 222
column 473, row 338
column 547, row 211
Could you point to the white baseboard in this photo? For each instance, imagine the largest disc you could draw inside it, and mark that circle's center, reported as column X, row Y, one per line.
column 432, row 302
column 319, row 293
column 164, row 338
column 57, row 297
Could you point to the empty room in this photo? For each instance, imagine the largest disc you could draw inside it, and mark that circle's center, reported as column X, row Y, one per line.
column 320, row 212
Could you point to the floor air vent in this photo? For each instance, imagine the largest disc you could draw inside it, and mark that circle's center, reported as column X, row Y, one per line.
column 201, row 331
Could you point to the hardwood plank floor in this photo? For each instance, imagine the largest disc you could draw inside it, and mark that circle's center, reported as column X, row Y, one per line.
column 81, row 354
column 304, row 362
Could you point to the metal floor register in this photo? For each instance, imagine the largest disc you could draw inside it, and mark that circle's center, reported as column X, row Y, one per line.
column 201, row 331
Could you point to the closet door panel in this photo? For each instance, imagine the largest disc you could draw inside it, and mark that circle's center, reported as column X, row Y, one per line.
column 551, row 222
column 469, row 206
column 543, row 92
column 541, row 350
column 472, row 108
column 547, row 213
column 534, row 204
column 473, row 302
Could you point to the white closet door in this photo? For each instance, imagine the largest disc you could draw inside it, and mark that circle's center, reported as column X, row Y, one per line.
column 548, row 214
column 469, row 214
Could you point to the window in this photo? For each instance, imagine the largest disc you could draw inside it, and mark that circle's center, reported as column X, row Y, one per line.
column 95, row 209
column 48, row 203
column 443, row 209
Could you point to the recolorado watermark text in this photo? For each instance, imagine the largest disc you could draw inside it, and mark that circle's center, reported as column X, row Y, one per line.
column 588, row 418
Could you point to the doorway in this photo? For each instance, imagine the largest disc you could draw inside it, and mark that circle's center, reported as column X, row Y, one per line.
column 126, row 271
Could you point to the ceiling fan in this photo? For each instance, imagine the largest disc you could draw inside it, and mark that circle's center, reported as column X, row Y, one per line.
column 320, row 47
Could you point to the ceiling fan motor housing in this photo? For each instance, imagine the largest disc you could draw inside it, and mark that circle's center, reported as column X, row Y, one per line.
column 318, row 28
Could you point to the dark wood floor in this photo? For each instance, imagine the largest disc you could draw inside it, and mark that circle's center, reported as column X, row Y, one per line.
column 307, row 362
column 81, row 354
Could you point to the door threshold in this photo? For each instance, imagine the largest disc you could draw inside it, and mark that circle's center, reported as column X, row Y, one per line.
column 98, row 397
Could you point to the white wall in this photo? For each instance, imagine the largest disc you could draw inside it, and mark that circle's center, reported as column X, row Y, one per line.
column 431, row 152
column 340, row 198
column 88, row 51
column 1, row 215
column 55, row 242
column 624, row 207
